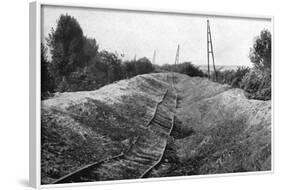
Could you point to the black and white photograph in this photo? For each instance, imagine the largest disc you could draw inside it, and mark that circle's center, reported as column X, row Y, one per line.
column 130, row 94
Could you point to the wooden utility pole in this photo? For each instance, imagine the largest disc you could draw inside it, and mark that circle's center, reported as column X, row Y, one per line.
column 210, row 50
column 154, row 57
column 177, row 61
column 177, row 55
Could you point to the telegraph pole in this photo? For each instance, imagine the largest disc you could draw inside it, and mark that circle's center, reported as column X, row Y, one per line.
column 210, row 50
column 154, row 57
column 176, row 61
column 177, row 55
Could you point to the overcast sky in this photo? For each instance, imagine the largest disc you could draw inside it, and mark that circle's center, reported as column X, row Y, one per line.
column 141, row 33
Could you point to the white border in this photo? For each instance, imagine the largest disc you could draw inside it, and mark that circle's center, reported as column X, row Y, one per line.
column 34, row 94
column 147, row 9
column 38, row 93
column 35, row 169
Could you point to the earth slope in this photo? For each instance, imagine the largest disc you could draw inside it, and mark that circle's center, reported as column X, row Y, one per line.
column 217, row 129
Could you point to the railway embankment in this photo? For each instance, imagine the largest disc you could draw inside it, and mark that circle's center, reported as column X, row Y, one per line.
column 164, row 127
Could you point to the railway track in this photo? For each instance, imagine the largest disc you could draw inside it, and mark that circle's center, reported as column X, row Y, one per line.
column 144, row 153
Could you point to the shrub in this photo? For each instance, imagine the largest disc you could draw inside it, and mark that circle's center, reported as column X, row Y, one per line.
column 133, row 68
column 257, row 84
column 129, row 68
column 185, row 68
column 189, row 69
column 232, row 77
column 47, row 81
column 110, row 64
column 62, row 86
column 238, row 76
column 225, row 76
column 257, row 81
column 143, row 66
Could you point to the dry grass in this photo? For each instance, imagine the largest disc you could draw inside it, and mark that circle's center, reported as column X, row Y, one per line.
column 83, row 127
column 217, row 129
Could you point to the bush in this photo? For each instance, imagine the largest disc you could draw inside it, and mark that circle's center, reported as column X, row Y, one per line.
column 47, row 81
column 257, row 84
column 257, row 81
column 185, row 68
column 190, row 70
column 129, row 68
column 238, row 76
column 143, row 66
column 233, row 78
column 110, row 64
column 80, row 80
column 63, row 86
column 133, row 68
column 225, row 77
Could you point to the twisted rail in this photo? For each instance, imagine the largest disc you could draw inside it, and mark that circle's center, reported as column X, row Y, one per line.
column 143, row 154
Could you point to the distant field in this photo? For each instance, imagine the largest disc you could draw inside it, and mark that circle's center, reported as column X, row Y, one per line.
column 204, row 68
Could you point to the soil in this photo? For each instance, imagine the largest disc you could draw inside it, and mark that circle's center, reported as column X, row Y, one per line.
column 217, row 129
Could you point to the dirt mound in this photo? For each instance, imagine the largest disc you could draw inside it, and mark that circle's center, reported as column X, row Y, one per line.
column 217, row 128
column 79, row 128
column 229, row 132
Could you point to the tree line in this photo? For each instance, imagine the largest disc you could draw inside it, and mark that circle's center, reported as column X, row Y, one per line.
column 184, row 68
column 77, row 64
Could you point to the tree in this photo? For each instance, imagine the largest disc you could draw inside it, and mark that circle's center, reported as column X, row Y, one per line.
column 260, row 53
column 143, row 65
column 46, row 79
column 257, row 82
column 90, row 50
column 129, row 68
column 110, row 64
column 133, row 67
column 66, row 47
